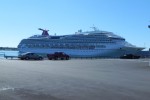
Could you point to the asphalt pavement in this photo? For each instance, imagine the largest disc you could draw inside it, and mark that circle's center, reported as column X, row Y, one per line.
column 75, row 79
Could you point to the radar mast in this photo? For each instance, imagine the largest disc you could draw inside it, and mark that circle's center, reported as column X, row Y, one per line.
column 95, row 28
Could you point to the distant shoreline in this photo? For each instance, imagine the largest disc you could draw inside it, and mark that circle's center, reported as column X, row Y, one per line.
column 8, row 48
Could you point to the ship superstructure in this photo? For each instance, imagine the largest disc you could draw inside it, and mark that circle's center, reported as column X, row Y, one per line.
column 94, row 43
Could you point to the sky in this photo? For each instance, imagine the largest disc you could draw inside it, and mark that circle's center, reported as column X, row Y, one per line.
column 21, row 19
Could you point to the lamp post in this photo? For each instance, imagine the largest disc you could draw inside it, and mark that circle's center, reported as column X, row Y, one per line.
column 149, row 49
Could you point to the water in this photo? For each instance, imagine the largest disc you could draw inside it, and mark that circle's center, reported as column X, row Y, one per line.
column 8, row 53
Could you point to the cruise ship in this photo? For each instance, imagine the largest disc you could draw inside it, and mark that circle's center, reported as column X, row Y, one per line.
column 95, row 43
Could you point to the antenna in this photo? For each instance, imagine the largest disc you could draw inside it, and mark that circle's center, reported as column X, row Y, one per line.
column 149, row 48
column 94, row 28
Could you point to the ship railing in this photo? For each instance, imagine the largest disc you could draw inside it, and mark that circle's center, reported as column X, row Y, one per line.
column 2, row 54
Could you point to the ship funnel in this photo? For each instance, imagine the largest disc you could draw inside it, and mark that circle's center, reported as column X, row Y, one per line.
column 45, row 32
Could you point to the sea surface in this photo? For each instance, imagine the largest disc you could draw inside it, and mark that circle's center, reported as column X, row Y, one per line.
column 8, row 53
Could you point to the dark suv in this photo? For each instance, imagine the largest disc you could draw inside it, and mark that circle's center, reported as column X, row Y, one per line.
column 27, row 56
column 130, row 56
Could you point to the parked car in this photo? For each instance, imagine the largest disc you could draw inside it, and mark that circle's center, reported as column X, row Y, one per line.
column 58, row 55
column 27, row 56
column 130, row 56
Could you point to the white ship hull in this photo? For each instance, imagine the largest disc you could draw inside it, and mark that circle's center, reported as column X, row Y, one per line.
column 82, row 53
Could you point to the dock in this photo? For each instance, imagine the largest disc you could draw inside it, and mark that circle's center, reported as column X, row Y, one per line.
column 7, row 56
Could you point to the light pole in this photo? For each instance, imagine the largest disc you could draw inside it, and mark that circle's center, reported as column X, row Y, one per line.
column 149, row 50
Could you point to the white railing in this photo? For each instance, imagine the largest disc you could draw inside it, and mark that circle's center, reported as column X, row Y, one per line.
column 2, row 54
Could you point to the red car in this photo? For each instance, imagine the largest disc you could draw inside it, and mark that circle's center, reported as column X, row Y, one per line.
column 58, row 55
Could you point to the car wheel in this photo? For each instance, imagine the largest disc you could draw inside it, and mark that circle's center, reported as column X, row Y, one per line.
column 50, row 58
column 22, row 59
column 27, row 58
column 40, row 58
column 67, row 58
